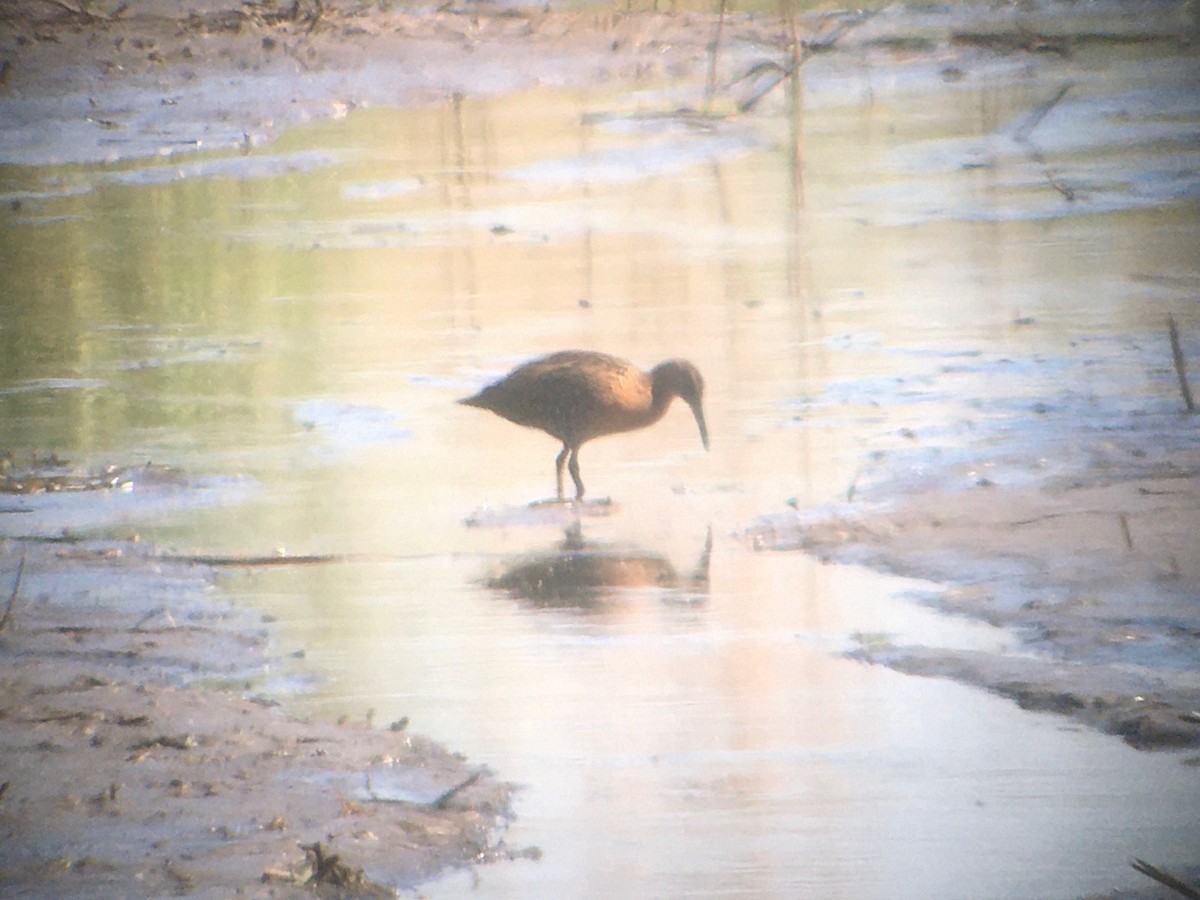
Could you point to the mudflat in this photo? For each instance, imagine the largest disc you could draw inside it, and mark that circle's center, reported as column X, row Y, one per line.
column 140, row 759
column 1095, row 574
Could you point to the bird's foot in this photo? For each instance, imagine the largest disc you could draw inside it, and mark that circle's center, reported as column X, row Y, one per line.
column 557, row 501
column 603, row 506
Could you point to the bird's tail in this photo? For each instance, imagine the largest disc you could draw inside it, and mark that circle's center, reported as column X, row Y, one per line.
column 473, row 400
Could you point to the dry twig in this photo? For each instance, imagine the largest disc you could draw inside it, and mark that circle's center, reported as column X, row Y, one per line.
column 1035, row 117
column 808, row 48
column 1125, row 532
column 1180, row 365
column 1165, row 878
column 444, row 799
column 12, row 598
column 1025, row 129
column 283, row 559
column 710, row 82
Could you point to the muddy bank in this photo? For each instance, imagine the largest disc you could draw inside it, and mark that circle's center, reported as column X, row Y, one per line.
column 95, row 87
column 1095, row 573
column 140, row 759
column 82, row 83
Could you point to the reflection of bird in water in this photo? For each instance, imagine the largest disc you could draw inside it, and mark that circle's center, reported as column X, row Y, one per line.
column 578, row 395
column 580, row 577
column 578, row 574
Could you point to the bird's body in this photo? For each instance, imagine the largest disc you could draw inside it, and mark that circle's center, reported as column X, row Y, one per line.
column 578, row 395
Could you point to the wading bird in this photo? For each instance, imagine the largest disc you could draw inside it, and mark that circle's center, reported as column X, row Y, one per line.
column 577, row 395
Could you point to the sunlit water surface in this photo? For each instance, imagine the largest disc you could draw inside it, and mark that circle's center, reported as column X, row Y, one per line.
column 870, row 270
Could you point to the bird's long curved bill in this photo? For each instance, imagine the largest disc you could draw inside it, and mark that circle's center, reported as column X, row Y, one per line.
column 698, row 412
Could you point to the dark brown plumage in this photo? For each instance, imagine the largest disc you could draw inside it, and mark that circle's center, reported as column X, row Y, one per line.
column 577, row 395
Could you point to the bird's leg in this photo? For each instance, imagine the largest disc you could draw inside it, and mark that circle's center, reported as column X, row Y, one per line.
column 573, row 468
column 558, row 468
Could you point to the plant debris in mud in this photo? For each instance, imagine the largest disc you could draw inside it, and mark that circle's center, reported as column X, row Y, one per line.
column 328, row 868
column 50, row 475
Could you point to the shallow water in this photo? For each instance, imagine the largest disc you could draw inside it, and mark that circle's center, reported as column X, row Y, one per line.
column 881, row 286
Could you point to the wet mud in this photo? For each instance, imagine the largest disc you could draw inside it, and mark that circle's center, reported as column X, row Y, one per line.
column 1093, row 571
column 139, row 750
column 87, row 86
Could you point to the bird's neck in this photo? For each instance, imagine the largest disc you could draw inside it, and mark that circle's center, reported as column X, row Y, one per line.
column 660, row 400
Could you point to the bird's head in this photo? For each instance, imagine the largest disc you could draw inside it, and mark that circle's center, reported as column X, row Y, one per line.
column 679, row 378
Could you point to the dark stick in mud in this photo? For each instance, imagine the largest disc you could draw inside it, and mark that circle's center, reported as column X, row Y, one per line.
column 1180, row 365
column 1035, row 118
column 1025, row 129
column 1125, row 532
column 853, row 485
column 284, row 559
column 442, row 801
column 710, row 82
column 779, row 73
column 1164, row 877
column 12, row 598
